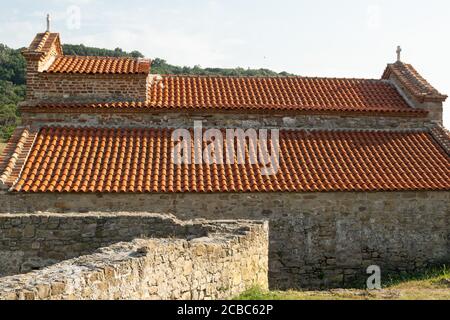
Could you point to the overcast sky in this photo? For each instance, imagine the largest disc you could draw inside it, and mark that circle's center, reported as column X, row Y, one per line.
column 346, row 38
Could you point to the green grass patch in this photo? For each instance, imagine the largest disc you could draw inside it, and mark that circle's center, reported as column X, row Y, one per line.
column 431, row 284
column 260, row 294
column 428, row 276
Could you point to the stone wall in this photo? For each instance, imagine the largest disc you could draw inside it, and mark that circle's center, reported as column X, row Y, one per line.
column 29, row 242
column 61, row 87
column 316, row 239
column 229, row 259
column 220, row 120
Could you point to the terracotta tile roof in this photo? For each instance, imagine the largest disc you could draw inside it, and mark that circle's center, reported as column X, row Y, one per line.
column 43, row 42
column 279, row 93
column 413, row 81
column 139, row 160
column 258, row 94
column 99, row 65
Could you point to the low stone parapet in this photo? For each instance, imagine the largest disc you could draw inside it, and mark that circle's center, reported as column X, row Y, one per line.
column 231, row 258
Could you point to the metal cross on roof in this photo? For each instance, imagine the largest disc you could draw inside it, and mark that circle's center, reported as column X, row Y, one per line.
column 399, row 51
column 48, row 22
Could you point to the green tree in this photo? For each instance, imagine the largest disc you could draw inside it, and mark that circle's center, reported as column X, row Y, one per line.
column 160, row 66
column 82, row 50
column 12, row 65
column 10, row 95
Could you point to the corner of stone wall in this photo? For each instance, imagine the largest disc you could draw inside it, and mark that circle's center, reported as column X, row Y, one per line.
column 218, row 261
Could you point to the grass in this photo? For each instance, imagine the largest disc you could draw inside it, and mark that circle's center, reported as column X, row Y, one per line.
column 432, row 284
column 2, row 146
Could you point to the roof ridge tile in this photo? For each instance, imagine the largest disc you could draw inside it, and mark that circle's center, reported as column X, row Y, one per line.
column 442, row 136
column 17, row 152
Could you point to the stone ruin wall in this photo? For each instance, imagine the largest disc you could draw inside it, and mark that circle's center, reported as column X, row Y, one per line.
column 195, row 260
column 30, row 242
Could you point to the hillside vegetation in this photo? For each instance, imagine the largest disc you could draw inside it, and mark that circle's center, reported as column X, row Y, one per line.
column 12, row 77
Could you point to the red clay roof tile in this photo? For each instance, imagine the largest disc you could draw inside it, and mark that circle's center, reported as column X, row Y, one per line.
column 99, row 65
column 139, row 160
column 279, row 93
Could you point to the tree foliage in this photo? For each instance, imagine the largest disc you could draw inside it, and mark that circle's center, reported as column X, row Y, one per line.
column 12, row 65
column 82, row 50
column 160, row 66
column 10, row 95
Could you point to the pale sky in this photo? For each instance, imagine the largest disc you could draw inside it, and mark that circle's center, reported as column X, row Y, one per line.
column 346, row 38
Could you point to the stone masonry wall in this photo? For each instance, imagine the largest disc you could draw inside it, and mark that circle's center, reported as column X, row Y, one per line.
column 229, row 260
column 316, row 239
column 62, row 87
column 221, row 120
column 29, row 242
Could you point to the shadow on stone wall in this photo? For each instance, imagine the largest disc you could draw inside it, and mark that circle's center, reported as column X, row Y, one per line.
column 31, row 242
column 201, row 259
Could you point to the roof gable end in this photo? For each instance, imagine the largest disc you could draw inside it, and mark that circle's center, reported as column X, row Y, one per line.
column 417, row 86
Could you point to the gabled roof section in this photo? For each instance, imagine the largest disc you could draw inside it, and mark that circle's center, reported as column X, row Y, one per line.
column 413, row 82
column 45, row 42
column 66, row 159
column 275, row 93
column 255, row 95
column 99, row 65
column 42, row 44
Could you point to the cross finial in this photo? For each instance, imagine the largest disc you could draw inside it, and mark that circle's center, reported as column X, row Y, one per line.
column 399, row 51
column 48, row 22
